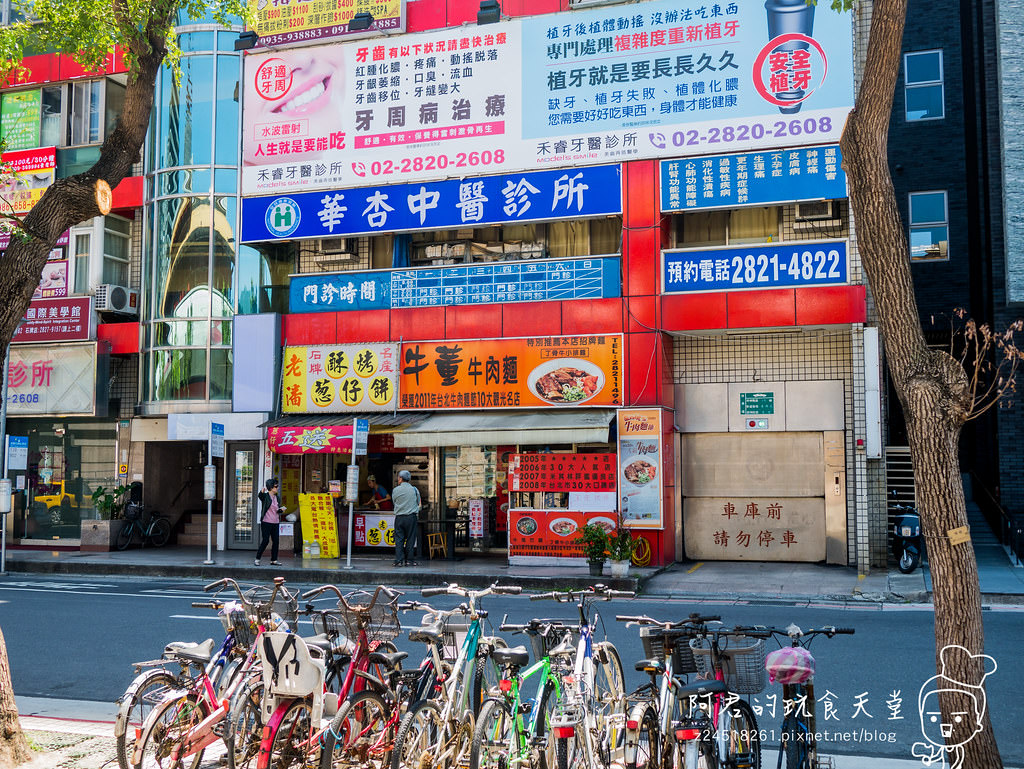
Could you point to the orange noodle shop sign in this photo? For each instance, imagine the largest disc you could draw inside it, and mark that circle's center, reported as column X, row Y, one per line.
column 545, row 372
column 339, row 378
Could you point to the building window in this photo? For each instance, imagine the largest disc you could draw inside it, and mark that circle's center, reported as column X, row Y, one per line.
column 116, row 248
column 924, row 93
column 82, row 244
column 756, row 224
column 86, row 108
column 929, row 225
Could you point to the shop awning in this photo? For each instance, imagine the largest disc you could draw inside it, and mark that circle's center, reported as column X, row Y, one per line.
column 329, row 434
column 508, row 427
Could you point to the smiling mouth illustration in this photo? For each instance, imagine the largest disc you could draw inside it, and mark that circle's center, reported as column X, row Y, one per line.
column 310, row 94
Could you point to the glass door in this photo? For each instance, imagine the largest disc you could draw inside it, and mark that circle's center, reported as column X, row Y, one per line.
column 241, row 499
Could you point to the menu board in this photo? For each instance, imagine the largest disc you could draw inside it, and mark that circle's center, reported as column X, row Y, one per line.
column 316, row 512
column 551, row 533
column 640, row 467
column 562, row 472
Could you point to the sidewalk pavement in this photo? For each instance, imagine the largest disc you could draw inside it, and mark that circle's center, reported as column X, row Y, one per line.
column 1001, row 581
column 83, row 738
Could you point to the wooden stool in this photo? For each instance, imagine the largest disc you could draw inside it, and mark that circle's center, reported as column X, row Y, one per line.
column 437, row 546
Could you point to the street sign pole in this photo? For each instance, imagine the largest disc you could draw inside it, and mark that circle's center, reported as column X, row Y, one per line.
column 6, row 507
column 360, row 433
column 216, row 449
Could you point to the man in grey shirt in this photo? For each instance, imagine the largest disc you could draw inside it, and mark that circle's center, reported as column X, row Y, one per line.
column 406, row 498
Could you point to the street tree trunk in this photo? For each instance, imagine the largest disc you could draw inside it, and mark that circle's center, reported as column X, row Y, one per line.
column 14, row 749
column 66, row 203
column 931, row 385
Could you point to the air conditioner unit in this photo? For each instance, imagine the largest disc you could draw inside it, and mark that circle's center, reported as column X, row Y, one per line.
column 337, row 247
column 111, row 298
column 816, row 210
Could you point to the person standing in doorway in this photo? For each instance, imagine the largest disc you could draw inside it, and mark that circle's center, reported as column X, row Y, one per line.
column 270, row 522
column 406, row 499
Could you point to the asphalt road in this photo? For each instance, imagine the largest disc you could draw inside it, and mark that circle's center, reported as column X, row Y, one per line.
column 74, row 638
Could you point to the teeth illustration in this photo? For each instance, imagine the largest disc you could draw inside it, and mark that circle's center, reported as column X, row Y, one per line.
column 304, row 98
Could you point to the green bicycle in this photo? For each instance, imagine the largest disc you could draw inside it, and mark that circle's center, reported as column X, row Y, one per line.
column 509, row 731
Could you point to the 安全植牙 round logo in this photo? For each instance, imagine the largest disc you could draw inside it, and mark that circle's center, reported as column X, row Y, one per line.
column 283, row 217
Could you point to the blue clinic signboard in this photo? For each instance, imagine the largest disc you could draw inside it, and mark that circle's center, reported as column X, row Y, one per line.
column 771, row 265
column 437, row 205
column 754, row 179
column 492, row 283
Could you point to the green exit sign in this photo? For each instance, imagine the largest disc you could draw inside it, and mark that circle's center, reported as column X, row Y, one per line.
column 757, row 403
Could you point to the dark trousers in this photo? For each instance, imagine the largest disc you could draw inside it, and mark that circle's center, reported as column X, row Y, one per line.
column 405, row 538
column 270, row 531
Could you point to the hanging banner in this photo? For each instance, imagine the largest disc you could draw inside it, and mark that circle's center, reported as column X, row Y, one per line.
column 640, row 467
column 436, row 205
column 53, row 284
column 328, row 379
column 562, row 472
column 316, row 511
column 755, row 179
column 567, row 371
column 307, row 21
column 33, row 172
column 585, row 87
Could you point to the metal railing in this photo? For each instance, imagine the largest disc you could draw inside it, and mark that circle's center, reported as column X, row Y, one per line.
column 1006, row 526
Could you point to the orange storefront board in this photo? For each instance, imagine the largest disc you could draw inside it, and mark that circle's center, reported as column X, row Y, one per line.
column 550, row 533
column 541, row 372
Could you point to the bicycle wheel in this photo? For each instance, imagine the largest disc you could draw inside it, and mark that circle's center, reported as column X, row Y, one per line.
column 647, row 754
column 243, row 728
column 486, row 676
column 570, row 752
column 542, row 727
column 492, row 737
column 290, row 744
column 418, row 736
column 743, row 742
column 698, row 754
column 145, row 692
column 360, row 733
column 607, row 701
column 159, row 532
column 166, row 729
column 124, row 536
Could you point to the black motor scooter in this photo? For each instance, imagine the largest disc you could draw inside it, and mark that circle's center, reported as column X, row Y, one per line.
column 906, row 537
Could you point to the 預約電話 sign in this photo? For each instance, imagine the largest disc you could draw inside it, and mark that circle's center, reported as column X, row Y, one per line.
column 771, row 265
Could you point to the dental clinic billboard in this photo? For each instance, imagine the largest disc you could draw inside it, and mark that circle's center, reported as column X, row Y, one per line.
column 652, row 79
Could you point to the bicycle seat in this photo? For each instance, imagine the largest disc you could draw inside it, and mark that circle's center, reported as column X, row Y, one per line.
column 320, row 641
column 650, row 666
column 517, row 656
column 566, row 648
column 391, row 661
column 427, row 634
column 190, row 651
column 701, row 689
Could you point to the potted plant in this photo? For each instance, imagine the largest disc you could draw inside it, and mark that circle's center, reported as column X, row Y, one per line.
column 594, row 541
column 100, row 533
column 620, row 549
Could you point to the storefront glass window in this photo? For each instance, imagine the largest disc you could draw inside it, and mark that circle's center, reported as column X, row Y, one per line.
column 179, row 374
column 220, row 374
column 228, row 76
column 186, row 114
column 67, row 461
column 263, row 271
column 224, row 218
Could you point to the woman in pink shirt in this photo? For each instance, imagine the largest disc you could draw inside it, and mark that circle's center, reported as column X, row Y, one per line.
column 270, row 520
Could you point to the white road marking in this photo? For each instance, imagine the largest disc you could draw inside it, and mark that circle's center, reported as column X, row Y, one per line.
column 77, row 592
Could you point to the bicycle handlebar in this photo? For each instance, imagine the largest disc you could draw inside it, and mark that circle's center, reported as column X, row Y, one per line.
column 322, row 589
column 465, row 592
column 207, row 604
column 693, row 619
column 594, row 592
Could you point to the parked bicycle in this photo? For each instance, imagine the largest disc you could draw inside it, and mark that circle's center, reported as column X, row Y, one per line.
column 793, row 667
column 657, row 733
column 589, row 720
column 439, row 732
column 149, row 526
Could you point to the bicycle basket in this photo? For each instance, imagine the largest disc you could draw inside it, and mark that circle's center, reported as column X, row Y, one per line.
column 328, row 624
column 454, row 631
column 542, row 645
column 742, row 662
column 133, row 511
column 237, row 621
column 380, row 621
column 653, row 640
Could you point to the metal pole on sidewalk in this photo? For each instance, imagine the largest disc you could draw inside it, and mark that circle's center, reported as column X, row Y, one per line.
column 3, row 442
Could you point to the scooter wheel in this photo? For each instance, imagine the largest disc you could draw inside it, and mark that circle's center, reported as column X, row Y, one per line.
column 909, row 561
